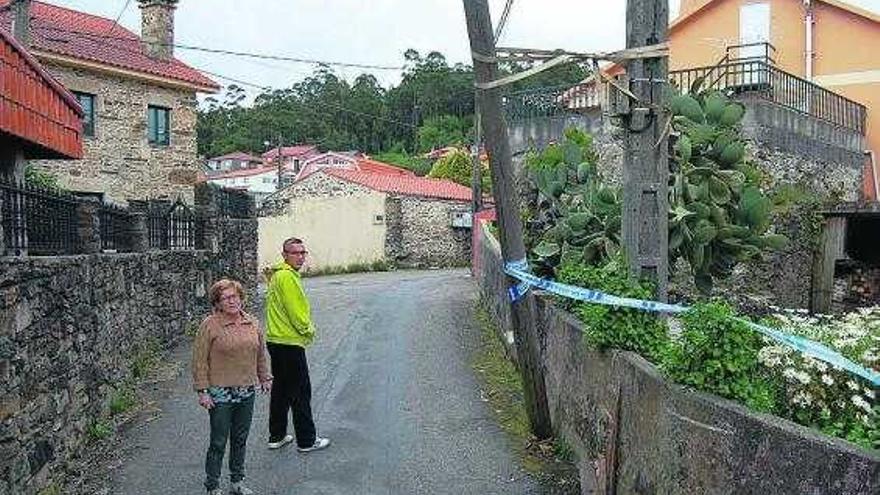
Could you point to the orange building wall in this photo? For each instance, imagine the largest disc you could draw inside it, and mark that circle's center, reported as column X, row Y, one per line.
column 702, row 40
column 844, row 42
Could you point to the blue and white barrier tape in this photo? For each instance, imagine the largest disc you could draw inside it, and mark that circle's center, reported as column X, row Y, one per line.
column 519, row 271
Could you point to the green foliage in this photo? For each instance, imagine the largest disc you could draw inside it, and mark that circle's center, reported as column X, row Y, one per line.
column 718, row 354
column 457, row 166
column 145, row 358
column 381, row 265
column 100, row 429
column 718, row 214
column 608, row 327
column 443, row 130
column 573, row 216
column 419, row 166
column 122, row 399
column 40, row 178
column 51, row 489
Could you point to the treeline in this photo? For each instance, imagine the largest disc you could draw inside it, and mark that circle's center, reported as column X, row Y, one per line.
column 432, row 106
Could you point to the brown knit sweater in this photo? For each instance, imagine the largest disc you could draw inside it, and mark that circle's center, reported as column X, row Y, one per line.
column 229, row 353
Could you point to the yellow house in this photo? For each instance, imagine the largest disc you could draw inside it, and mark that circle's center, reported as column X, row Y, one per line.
column 827, row 42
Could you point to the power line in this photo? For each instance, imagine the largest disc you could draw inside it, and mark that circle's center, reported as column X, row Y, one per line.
column 118, row 16
column 330, row 105
column 502, row 22
column 263, row 56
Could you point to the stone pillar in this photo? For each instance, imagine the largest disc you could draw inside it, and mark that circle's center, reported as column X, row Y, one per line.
column 2, row 235
column 138, row 235
column 88, row 227
column 207, row 214
column 157, row 27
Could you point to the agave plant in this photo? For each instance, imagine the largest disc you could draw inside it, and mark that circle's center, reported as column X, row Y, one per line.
column 717, row 216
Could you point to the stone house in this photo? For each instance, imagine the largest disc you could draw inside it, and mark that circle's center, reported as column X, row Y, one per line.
column 292, row 157
column 232, row 161
column 139, row 102
column 368, row 213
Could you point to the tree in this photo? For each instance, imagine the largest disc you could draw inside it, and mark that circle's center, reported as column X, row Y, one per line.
column 456, row 166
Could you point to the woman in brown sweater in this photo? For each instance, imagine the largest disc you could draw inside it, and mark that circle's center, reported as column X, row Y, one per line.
column 229, row 362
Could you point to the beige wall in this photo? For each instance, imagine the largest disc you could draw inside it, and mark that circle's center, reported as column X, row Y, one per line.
column 338, row 231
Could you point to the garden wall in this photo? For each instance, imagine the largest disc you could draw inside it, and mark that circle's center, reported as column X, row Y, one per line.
column 633, row 432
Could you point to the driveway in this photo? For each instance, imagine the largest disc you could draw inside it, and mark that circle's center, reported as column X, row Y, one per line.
column 392, row 388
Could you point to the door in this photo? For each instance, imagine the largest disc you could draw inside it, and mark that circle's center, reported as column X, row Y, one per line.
column 754, row 29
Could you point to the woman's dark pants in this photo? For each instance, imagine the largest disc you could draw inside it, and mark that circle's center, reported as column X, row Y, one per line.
column 229, row 422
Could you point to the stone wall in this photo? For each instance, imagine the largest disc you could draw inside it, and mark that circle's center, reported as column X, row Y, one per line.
column 118, row 160
column 69, row 327
column 782, row 278
column 420, row 232
column 634, row 432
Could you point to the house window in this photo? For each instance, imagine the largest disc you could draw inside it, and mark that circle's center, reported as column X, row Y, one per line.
column 158, row 125
column 87, row 102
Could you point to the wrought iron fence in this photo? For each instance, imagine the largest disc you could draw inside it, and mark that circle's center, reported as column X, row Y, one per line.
column 37, row 221
column 174, row 226
column 551, row 101
column 115, row 225
column 761, row 78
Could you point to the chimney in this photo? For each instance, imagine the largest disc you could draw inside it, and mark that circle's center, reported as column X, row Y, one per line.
column 21, row 21
column 157, row 27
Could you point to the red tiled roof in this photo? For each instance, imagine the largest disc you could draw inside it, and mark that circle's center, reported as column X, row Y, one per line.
column 402, row 184
column 367, row 165
column 35, row 107
column 245, row 172
column 298, row 150
column 75, row 34
column 237, row 155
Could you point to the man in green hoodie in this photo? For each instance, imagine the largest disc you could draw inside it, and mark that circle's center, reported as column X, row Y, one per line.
column 289, row 330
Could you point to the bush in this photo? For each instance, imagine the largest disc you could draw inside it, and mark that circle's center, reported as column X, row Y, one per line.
column 611, row 327
column 821, row 396
column 457, row 166
column 718, row 354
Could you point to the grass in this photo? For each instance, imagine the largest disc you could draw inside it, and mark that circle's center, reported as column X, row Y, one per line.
column 101, row 429
column 146, row 358
column 51, row 489
column 122, row 399
column 549, row 461
column 374, row 266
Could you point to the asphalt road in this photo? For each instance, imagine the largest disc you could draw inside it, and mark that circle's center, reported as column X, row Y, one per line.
column 392, row 388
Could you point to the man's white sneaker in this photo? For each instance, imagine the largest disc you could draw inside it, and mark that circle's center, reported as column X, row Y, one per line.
column 320, row 443
column 281, row 443
column 240, row 489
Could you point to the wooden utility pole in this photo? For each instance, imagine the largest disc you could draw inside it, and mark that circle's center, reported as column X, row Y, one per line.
column 279, row 164
column 477, row 165
column 479, row 26
column 645, row 159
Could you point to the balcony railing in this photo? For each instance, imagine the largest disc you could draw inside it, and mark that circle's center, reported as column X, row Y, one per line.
column 750, row 70
column 747, row 69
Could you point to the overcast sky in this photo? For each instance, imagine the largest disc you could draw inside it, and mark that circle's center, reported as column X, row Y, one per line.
column 368, row 31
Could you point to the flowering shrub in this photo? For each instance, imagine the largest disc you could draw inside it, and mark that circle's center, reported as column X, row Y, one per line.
column 821, row 396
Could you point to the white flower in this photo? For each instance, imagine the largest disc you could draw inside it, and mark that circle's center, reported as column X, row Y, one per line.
column 852, row 385
column 803, row 398
column 860, row 402
column 827, row 380
column 870, row 394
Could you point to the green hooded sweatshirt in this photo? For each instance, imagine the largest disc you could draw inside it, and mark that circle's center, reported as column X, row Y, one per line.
column 288, row 316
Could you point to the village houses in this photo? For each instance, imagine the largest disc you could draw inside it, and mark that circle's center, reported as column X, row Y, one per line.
column 138, row 101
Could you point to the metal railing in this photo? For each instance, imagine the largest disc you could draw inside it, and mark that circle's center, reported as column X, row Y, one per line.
column 115, row 225
column 37, row 221
column 175, row 227
column 758, row 77
column 551, row 101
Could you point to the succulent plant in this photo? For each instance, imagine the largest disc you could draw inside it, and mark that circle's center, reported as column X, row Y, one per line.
column 717, row 218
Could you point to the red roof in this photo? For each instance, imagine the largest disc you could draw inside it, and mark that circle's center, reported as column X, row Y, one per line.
column 237, row 155
column 34, row 107
column 298, row 150
column 367, row 165
column 245, row 172
column 75, row 34
column 405, row 185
